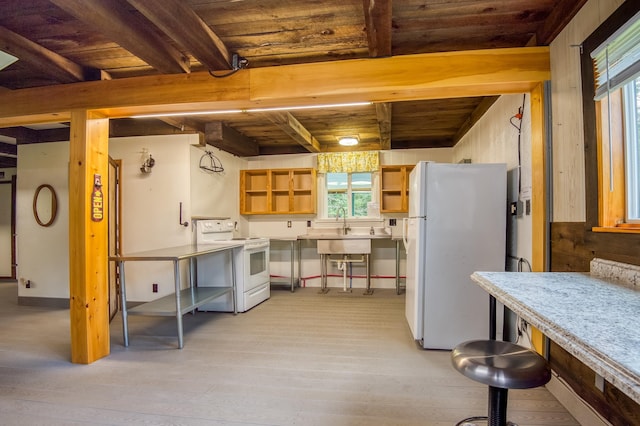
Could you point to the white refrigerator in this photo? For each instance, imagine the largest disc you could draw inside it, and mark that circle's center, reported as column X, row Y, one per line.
column 456, row 225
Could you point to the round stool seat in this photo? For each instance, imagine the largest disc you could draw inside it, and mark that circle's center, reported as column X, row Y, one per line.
column 500, row 364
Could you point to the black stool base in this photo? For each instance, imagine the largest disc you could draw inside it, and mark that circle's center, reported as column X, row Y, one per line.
column 497, row 409
column 472, row 420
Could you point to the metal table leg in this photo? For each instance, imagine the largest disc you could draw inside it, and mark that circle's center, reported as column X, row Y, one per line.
column 397, row 266
column 369, row 290
column 323, row 274
column 293, row 252
column 176, row 279
column 123, row 300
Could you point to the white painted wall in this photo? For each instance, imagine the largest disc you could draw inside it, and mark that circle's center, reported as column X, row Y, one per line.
column 495, row 140
column 150, row 211
column 150, row 206
column 217, row 194
column 5, row 222
column 42, row 253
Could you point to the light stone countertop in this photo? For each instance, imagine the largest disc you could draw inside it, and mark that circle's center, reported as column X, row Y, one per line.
column 595, row 319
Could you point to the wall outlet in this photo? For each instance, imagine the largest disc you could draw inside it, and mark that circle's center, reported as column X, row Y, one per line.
column 154, row 286
column 392, row 222
column 288, row 224
column 308, row 224
column 28, row 284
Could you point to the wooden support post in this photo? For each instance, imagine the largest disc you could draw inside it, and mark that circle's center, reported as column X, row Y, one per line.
column 88, row 253
column 538, row 194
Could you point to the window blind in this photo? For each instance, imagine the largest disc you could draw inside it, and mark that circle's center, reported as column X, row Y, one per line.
column 617, row 60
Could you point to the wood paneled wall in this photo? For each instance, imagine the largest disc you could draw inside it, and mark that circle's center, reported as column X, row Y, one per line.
column 573, row 243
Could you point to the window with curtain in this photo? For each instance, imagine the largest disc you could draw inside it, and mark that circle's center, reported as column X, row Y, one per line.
column 616, row 72
column 349, row 181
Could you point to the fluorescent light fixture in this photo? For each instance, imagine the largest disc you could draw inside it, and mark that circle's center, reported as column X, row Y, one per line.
column 250, row 110
column 6, row 59
column 294, row 108
column 181, row 114
column 348, row 141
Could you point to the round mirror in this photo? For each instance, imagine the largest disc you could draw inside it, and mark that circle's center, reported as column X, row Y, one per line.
column 45, row 205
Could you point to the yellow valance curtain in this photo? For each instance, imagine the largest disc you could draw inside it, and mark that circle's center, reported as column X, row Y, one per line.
column 348, row 162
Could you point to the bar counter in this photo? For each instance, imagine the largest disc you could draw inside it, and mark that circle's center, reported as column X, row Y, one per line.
column 593, row 318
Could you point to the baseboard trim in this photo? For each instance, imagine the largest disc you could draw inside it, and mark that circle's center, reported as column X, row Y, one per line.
column 576, row 406
column 44, row 302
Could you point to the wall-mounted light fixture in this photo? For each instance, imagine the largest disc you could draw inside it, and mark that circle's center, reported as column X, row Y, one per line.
column 348, row 140
column 147, row 161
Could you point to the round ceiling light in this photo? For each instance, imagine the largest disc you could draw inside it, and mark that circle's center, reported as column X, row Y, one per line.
column 348, row 141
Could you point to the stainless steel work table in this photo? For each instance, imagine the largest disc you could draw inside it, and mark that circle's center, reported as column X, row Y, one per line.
column 592, row 318
column 182, row 300
column 294, row 250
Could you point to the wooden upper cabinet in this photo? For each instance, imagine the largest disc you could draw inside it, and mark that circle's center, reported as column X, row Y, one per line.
column 278, row 191
column 394, row 188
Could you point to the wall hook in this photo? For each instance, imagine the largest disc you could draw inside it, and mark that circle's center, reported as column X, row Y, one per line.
column 185, row 223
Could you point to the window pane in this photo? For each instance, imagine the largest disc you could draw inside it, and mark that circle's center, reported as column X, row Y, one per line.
column 335, row 202
column 361, row 180
column 337, row 181
column 359, row 202
column 632, row 149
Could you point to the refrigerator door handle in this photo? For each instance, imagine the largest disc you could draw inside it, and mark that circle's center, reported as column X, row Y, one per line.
column 405, row 223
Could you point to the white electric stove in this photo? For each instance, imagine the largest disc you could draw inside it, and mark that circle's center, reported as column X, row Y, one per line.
column 251, row 269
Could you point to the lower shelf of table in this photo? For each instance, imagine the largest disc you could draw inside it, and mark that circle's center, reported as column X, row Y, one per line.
column 190, row 299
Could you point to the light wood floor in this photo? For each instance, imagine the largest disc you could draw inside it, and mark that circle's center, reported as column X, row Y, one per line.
column 297, row 359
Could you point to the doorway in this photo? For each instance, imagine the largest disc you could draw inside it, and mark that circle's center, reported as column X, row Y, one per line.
column 8, row 229
column 115, row 239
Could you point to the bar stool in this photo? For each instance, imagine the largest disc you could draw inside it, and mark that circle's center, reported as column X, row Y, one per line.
column 501, row 366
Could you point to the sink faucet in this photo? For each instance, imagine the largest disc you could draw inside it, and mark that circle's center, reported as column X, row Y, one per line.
column 345, row 227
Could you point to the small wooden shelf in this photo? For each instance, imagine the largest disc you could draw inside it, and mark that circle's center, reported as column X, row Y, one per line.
column 394, row 188
column 278, row 191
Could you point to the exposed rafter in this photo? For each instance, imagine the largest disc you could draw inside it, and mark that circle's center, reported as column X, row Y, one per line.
column 292, row 127
column 50, row 64
column 383, row 114
column 227, row 139
column 561, row 14
column 131, row 32
column 377, row 18
column 176, row 19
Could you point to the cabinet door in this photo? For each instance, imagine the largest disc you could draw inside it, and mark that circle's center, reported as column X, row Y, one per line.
column 254, row 191
column 394, row 188
column 303, row 191
column 278, row 191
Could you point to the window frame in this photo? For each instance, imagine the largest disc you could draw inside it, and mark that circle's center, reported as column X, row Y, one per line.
column 603, row 211
column 349, row 190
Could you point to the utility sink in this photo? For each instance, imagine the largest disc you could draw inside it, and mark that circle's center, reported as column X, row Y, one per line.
column 351, row 233
column 344, row 246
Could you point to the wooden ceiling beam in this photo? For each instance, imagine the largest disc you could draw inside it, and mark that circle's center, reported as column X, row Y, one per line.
column 44, row 60
column 8, row 148
column 112, row 18
column 383, row 114
column 228, row 139
column 292, row 127
column 180, row 22
column 398, row 78
column 378, row 20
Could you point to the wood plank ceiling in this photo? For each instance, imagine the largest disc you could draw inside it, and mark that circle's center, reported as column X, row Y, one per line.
column 66, row 41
